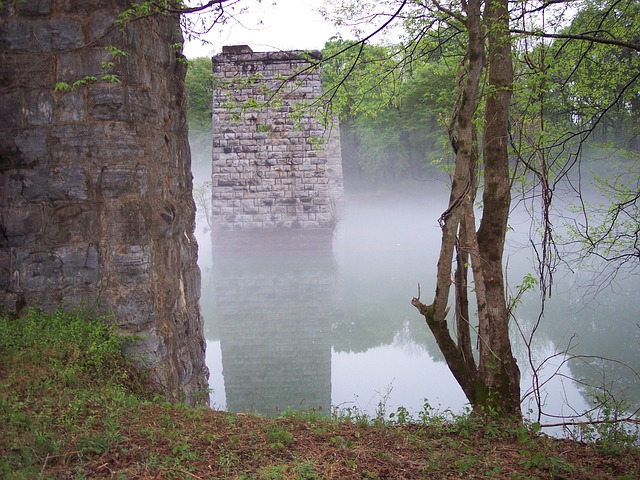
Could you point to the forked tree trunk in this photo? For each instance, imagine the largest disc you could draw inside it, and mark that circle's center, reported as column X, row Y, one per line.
column 492, row 384
column 458, row 355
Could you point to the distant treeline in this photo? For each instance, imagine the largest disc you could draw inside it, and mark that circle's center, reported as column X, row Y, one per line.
column 572, row 100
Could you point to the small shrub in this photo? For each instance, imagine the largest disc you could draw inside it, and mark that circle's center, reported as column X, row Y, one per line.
column 76, row 345
column 278, row 438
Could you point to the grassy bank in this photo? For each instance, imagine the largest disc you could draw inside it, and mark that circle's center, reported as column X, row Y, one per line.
column 73, row 406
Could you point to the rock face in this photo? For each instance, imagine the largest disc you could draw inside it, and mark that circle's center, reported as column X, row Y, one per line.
column 276, row 162
column 95, row 195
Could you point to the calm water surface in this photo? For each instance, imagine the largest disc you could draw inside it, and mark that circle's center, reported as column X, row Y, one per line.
column 332, row 328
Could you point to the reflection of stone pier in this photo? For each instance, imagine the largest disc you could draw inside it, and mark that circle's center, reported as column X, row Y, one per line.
column 274, row 310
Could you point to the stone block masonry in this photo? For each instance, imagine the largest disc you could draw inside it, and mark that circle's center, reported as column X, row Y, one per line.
column 275, row 161
column 95, row 182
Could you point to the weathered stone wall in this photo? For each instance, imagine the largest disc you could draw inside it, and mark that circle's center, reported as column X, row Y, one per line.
column 275, row 166
column 95, row 182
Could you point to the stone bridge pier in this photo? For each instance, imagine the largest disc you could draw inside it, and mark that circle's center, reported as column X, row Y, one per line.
column 95, row 184
column 276, row 155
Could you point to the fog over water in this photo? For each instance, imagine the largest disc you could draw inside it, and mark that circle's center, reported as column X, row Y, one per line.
column 335, row 328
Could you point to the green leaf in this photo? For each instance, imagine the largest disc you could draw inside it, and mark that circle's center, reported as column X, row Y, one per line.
column 61, row 87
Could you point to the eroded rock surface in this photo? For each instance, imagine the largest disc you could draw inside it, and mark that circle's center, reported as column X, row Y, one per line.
column 95, row 182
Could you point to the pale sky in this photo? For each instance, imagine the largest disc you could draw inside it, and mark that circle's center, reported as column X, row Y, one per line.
column 270, row 25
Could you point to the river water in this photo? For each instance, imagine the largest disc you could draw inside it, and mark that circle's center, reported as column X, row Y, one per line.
column 334, row 328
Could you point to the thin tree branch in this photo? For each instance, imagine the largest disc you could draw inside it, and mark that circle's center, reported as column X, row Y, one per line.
column 582, row 37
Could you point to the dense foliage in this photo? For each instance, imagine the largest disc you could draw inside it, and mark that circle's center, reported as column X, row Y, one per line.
column 393, row 112
column 395, row 101
column 199, row 87
column 86, row 348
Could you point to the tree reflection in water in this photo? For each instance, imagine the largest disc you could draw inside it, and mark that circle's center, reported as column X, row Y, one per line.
column 312, row 328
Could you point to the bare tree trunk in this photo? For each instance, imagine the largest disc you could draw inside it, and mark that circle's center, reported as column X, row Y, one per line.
column 493, row 384
column 498, row 369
